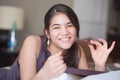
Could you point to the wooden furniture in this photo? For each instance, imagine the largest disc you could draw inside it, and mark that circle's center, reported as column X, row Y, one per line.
column 7, row 58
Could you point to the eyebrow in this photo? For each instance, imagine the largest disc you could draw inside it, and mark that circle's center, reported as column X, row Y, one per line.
column 59, row 24
column 69, row 22
column 55, row 24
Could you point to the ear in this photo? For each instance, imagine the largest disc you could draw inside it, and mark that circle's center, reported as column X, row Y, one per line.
column 47, row 33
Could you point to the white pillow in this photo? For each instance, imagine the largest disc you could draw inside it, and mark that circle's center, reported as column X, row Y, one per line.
column 63, row 76
column 112, row 75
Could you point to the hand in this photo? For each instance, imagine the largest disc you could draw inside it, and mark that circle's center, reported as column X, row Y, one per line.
column 54, row 66
column 100, row 52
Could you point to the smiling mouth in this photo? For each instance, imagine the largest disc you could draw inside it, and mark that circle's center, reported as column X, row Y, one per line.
column 65, row 39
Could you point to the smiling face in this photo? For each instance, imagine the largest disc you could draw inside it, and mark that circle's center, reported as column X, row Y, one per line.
column 62, row 33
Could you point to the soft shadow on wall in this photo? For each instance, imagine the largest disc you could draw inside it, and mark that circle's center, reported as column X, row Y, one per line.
column 34, row 14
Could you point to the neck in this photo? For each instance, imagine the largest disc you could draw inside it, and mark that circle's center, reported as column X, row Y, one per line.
column 54, row 50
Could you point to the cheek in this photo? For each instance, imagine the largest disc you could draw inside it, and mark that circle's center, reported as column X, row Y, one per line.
column 54, row 34
column 73, row 31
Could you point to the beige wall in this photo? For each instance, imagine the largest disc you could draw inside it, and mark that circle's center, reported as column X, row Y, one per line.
column 35, row 11
column 34, row 14
column 93, row 17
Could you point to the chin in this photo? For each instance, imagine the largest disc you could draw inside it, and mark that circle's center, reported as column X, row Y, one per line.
column 66, row 47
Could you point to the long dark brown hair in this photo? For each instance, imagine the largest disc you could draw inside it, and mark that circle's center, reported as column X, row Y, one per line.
column 71, row 56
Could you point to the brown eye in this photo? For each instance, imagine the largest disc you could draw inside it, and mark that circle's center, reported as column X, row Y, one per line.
column 70, row 25
column 56, row 27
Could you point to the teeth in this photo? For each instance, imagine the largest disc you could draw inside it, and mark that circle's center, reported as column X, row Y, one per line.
column 65, row 39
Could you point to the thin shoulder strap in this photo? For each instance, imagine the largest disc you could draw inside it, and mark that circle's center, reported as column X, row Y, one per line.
column 43, row 46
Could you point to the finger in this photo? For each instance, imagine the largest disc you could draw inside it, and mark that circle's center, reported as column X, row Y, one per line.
column 103, row 42
column 60, row 68
column 60, row 62
column 111, row 47
column 58, row 71
column 63, row 68
column 58, row 55
column 96, row 43
column 91, row 48
column 54, row 59
column 57, row 60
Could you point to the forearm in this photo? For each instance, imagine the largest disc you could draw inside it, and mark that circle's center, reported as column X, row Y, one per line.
column 41, row 76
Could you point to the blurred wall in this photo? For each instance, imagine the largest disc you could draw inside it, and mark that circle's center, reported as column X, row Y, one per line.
column 34, row 14
column 93, row 17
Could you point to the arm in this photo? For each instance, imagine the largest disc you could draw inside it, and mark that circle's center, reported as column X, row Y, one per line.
column 53, row 67
column 28, row 56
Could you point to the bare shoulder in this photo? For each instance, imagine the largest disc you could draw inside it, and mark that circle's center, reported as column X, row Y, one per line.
column 31, row 46
column 32, row 38
column 32, row 41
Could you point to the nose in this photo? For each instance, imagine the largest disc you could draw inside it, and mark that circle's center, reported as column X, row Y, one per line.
column 64, row 31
